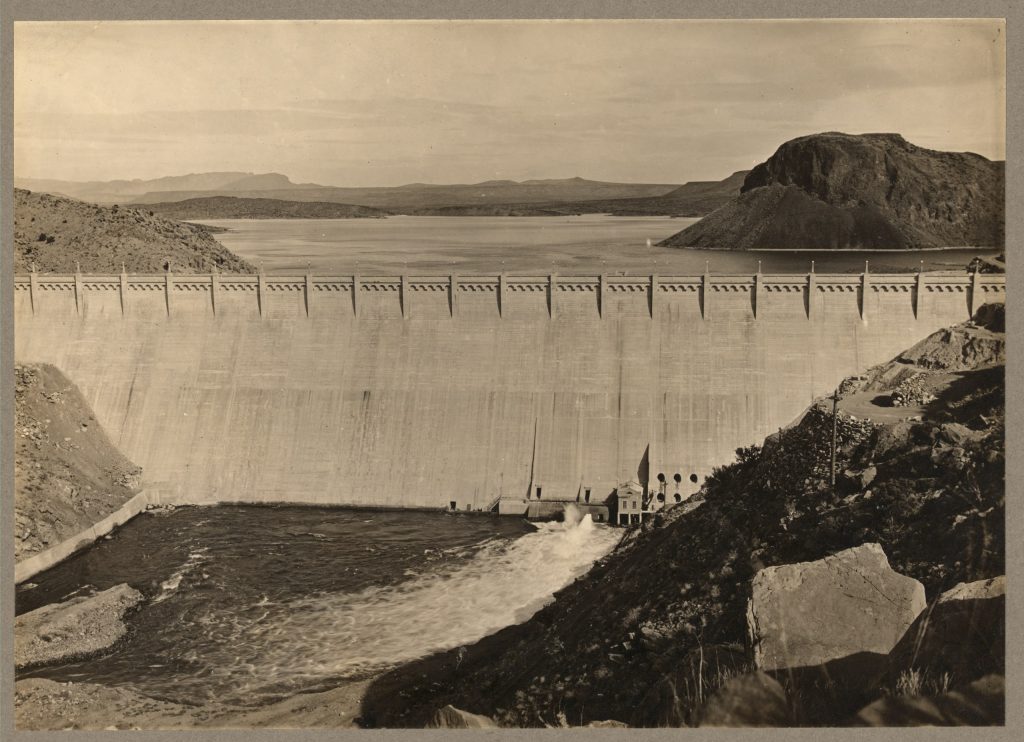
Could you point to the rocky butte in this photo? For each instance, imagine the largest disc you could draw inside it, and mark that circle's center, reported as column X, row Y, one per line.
column 838, row 191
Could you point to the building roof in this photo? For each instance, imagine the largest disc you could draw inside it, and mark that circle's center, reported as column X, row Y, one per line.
column 629, row 488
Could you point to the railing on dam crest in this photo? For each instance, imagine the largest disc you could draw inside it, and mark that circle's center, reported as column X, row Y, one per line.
column 454, row 289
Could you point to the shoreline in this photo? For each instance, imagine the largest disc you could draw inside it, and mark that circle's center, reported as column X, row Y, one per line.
column 826, row 250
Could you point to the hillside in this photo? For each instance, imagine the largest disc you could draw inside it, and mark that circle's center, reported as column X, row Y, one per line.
column 67, row 474
column 654, row 628
column 56, row 233
column 230, row 207
column 873, row 191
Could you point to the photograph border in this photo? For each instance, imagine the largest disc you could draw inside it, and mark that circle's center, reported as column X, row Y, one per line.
column 66, row 10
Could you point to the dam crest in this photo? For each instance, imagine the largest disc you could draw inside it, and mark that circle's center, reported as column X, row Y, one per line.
column 420, row 391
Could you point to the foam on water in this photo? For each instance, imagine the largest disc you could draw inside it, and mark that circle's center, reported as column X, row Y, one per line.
column 172, row 583
column 266, row 649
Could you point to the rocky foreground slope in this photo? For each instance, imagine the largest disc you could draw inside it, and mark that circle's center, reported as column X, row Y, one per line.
column 57, row 234
column 650, row 633
column 872, row 191
column 67, row 474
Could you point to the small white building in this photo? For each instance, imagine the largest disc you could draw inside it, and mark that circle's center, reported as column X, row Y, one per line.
column 632, row 504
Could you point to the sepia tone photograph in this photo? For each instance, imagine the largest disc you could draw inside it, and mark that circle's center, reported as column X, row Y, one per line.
column 514, row 373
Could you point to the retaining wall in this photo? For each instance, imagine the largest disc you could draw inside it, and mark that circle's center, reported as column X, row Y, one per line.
column 30, row 567
column 420, row 390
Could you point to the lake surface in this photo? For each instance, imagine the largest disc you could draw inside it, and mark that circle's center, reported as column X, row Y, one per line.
column 247, row 604
column 573, row 245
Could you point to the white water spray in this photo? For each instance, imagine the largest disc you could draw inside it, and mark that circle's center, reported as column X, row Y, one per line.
column 302, row 642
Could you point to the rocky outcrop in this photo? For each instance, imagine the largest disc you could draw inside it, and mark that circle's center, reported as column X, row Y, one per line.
column 813, row 612
column 68, row 476
column 74, row 629
column 751, row 700
column 982, row 703
column 450, row 717
column 58, row 235
column 958, row 639
column 872, row 191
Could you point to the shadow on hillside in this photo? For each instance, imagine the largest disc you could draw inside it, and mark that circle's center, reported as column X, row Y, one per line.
column 969, row 395
column 408, row 696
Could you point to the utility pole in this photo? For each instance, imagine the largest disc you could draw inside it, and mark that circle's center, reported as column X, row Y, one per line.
column 835, row 431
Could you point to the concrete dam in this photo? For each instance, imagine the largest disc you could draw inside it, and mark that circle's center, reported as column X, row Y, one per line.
column 422, row 391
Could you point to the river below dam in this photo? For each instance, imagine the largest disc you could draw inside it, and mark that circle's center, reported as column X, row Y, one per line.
column 248, row 604
column 571, row 245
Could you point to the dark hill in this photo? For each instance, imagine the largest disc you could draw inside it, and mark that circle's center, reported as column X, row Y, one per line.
column 55, row 233
column 872, row 191
column 229, row 207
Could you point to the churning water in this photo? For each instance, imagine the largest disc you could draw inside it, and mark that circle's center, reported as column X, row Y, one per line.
column 247, row 604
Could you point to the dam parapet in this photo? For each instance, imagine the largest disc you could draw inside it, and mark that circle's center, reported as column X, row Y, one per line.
column 506, row 296
column 420, row 391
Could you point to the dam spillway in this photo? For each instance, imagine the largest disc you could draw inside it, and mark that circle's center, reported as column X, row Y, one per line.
column 419, row 391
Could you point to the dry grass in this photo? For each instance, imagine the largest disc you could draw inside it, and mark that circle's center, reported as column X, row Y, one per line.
column 914, row 682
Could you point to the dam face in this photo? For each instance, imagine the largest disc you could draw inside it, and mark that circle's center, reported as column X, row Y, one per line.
column 421, row 391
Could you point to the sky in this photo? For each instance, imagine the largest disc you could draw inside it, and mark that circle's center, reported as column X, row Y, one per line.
column 362, row 103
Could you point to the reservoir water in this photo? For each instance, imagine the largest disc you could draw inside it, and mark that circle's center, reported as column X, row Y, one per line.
column 572, row 245
column 248, row 604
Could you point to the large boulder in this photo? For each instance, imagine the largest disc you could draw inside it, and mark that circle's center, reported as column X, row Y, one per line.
column 982, row 703
column 812, row 612
column 450, row 717
column 962, row 636
column 751, row 700
column 73, row 629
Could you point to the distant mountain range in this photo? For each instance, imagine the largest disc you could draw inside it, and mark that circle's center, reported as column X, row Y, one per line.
column 409, row 198
column 197, row 194
column 871, row 191
column 125, row 191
